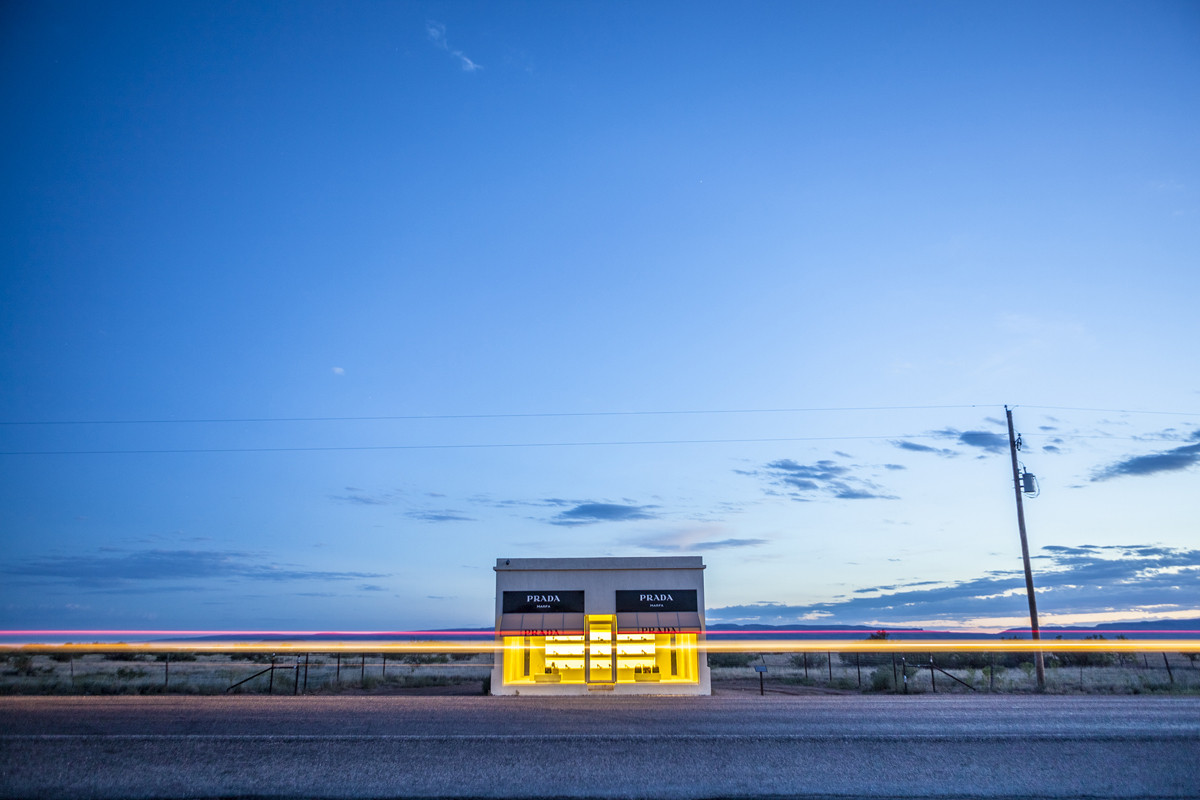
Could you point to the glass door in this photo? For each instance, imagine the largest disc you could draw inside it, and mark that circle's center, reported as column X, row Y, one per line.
column 599, row 653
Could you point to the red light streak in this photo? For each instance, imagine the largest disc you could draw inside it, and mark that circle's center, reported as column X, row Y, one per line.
column 491, row 632
column 921, row 631
column 435, row 641
column 140, row 633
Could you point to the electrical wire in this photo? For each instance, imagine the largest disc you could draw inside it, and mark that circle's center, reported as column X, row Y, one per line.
column 554, row 414
column 530, row 415
column 501, row 445
column 469, row 446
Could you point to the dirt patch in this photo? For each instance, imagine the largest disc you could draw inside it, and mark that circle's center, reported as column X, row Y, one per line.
column 750, row 686
column 450, row 690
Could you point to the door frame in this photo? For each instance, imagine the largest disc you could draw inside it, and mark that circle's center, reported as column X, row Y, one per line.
column 602, row 621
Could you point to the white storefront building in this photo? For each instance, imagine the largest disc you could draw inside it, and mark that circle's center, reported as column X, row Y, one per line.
column 578, row 625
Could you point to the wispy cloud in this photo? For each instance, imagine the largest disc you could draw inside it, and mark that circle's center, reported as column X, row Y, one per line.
column 704, row 537
column 591, row 513
column 981, row 440
column 986, row 441
column 361, row 499
column 436, row 31
column 1173, row 460
column 517, row 503
column 824, row 478
column 439, row 516
column 108, row 570
column 1085, row 579
column 913, row 447
column 715, row 544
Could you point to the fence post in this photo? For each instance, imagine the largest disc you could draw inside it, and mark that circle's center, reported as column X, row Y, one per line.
column 306, row 673
column 1170, row 674
column 932, row 679
column 362, row 672
column 338, row 677
column 904, row 672
column 271, row 683
column 829, row 660
column 895, row 680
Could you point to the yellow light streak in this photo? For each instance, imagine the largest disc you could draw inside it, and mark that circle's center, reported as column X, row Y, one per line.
column 740, row 646
column 957, row 646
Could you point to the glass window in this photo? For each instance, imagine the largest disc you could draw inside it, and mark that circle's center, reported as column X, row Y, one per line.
column 601, row 655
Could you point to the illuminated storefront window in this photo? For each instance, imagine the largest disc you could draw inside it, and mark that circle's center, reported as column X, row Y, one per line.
column 640, row 657
column 649, row 637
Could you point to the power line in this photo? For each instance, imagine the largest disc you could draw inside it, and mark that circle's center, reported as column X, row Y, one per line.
column 554, row 414
column 530, row 415
column 501, row 445
column 472, row 446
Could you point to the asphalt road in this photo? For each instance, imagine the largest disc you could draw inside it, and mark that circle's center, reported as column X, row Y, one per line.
column 612, row 747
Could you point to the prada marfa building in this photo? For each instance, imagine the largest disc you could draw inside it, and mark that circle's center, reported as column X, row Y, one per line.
column 577, row 625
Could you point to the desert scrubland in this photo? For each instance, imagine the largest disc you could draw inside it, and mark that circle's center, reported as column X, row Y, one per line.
column 786, row 673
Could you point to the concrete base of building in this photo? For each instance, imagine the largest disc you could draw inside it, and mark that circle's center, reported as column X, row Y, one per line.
column 640, row 688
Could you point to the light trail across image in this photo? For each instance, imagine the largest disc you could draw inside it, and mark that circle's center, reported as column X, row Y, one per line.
column 484, row 641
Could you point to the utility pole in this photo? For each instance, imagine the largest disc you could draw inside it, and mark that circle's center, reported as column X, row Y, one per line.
column 1039, row 662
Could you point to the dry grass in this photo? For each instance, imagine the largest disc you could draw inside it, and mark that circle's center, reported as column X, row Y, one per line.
column 98, row 673
column 1147, row 673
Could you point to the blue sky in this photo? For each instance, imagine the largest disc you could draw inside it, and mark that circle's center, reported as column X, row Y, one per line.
column 332, row 304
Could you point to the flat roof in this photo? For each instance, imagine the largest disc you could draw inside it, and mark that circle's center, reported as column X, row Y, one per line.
column 565, row 564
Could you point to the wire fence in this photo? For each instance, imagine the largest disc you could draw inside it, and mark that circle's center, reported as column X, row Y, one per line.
column 458, row 673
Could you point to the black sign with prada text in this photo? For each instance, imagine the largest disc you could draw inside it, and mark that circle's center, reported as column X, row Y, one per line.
column 656, row 600
column 543, row 601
